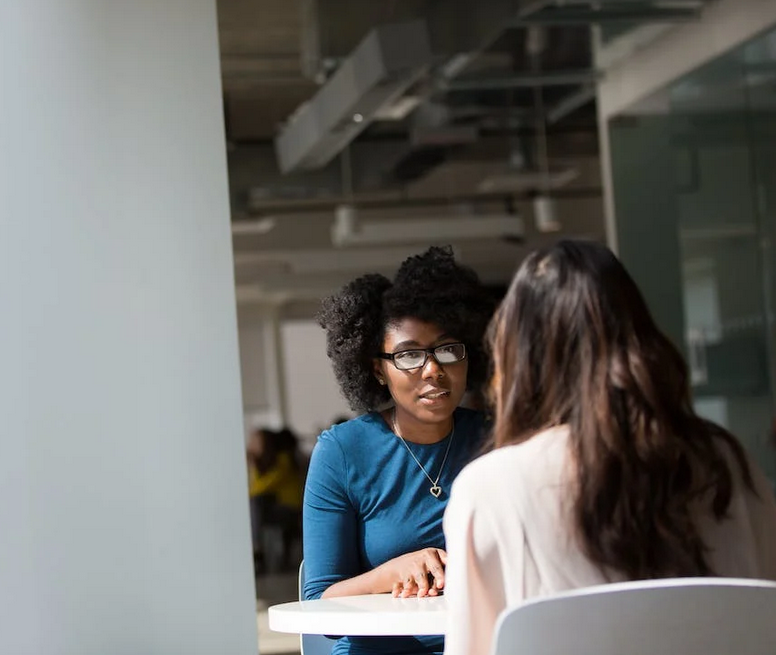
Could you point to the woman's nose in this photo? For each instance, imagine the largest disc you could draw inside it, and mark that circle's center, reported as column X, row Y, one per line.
column 432, row 369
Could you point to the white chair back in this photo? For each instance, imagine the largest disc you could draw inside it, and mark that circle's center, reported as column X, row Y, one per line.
column 312, row 644
column 686, row 616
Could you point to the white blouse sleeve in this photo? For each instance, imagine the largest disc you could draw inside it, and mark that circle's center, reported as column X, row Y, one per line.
column 474, row 578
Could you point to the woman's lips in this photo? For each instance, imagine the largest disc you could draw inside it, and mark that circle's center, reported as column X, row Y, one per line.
column 434, row 397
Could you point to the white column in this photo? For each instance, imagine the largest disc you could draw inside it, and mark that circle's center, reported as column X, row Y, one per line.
column 123, row 511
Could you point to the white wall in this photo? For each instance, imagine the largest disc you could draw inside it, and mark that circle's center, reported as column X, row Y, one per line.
column 313, row 396
column 263, row 387
column 287, row 377
column 122, row 481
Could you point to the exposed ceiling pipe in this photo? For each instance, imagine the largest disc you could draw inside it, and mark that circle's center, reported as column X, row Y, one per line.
column 314, row 67
column 587, row 12
column 526, row 80
column 348, row 232
column 404, row 202
column 571, row 103
column 323, row 260
column 261, row 226
column 545, row 214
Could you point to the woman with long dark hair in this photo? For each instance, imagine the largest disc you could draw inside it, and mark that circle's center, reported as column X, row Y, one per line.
column 601, row 471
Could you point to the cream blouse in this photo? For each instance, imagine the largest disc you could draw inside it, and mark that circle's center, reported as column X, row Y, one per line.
column 507, row 540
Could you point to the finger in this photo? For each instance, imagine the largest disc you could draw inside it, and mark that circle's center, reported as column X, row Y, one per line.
column 397, row 589
column 439, row 578
column 442, row 554
column 421, row 579
column 438, row 571
column 405, row 586
column 409, row 590
column 433, row 583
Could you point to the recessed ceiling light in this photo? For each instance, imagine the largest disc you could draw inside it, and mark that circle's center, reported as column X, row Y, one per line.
column 261, row 226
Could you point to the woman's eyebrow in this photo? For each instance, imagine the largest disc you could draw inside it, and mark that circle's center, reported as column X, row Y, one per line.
column 411, row 343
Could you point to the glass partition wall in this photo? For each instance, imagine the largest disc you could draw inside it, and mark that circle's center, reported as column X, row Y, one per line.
column 694, row 179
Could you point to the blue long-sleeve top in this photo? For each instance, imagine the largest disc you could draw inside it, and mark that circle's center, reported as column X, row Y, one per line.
column 366, row 501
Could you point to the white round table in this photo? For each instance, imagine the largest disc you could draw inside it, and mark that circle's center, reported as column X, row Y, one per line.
column 371, row 615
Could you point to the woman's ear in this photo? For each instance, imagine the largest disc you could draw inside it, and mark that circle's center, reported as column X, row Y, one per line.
column 378, row 371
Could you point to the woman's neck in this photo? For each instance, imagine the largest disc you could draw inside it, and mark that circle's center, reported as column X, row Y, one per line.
column 411, row 429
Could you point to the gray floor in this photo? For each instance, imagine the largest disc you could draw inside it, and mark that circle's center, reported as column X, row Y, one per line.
column 271, row 590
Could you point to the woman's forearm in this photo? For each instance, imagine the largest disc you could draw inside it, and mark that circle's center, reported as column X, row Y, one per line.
column 420, row 573
column 376, row 581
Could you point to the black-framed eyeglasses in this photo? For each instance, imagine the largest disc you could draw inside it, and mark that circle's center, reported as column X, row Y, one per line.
column 406, row 360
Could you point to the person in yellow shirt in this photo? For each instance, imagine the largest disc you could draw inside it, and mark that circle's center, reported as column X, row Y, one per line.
column 275, row 486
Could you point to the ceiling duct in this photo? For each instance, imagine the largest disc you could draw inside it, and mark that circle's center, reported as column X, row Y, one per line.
column 389, row 60
column 585, row 12
column 348, row 231
column 433, row 139
column 524, row 181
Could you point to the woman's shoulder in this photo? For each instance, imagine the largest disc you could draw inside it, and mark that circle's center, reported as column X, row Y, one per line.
column 541, row 453
column 355, row 430
column 350, row 443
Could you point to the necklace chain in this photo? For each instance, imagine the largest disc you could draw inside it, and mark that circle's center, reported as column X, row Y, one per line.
column 435, row 488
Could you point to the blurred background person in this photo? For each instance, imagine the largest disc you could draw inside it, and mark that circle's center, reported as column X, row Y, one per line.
column 275, row 488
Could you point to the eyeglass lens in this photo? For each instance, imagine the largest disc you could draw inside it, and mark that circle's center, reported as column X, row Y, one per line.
column 445, row 354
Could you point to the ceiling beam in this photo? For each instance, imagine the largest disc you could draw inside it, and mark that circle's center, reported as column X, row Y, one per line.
column 586, row 13
column 570, row 104
column 403, row 202
column 527, row 80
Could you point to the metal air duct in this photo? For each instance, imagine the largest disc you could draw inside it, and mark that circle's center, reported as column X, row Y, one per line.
column 348, row 231
column 389, row 60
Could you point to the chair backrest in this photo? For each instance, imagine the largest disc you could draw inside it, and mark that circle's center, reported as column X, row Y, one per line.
column 312, row 644
column 688, row 616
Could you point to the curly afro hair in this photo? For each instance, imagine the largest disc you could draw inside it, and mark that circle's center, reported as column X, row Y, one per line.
column 430, row 287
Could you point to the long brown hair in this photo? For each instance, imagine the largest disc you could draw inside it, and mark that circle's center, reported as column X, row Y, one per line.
column 574, row 344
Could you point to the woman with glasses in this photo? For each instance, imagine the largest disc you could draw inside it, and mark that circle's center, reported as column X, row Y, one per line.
column 602, row 471
column 404, row 354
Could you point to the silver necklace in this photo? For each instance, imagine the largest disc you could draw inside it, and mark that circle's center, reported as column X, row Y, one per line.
column 435, row 489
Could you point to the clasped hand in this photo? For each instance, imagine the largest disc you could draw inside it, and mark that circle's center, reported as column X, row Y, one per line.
column 421, row 573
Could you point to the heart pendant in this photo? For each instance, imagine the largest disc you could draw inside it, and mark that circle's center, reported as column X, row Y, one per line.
column 436, row 490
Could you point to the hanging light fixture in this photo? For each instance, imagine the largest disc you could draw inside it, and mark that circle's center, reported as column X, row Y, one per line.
column 544, row 208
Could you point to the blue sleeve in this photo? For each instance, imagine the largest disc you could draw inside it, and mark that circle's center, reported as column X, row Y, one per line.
column 330, row 524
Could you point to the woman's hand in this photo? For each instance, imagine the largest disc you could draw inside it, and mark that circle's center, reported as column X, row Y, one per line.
column 421, row 573
column 404, row 576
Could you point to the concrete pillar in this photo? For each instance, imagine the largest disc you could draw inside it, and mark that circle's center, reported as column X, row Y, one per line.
column 123, row 502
